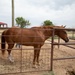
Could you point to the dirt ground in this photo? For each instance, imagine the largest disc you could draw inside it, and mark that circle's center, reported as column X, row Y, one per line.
column 23, row 60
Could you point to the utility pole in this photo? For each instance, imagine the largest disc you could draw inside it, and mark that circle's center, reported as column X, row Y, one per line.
column 12, row 13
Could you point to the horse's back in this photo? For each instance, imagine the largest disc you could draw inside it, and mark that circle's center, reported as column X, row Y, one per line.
column 25, row 36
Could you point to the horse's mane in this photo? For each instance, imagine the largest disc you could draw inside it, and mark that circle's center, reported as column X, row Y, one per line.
column 47, row 27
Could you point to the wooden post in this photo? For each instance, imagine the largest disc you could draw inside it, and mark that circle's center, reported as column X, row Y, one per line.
column 12, row 13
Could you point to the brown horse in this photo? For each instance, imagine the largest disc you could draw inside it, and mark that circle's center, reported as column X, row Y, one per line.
column 34, row 36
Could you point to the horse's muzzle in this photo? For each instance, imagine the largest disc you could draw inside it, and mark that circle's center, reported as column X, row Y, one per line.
column 67, row 40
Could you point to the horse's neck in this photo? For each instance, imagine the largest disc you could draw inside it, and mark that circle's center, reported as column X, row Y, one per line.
column 47, row 33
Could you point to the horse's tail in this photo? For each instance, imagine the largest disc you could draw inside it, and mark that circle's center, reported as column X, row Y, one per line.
column 3, row 43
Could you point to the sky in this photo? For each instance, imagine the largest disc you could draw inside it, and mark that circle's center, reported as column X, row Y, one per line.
column 60, row 12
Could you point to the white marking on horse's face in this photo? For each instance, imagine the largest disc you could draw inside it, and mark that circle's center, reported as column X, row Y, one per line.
column 10, row 58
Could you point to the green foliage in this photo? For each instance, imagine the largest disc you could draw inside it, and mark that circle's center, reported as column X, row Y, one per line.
column 47, row 23
column 21, row 22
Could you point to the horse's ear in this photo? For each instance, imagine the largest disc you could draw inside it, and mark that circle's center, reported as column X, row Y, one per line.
column 63, row 26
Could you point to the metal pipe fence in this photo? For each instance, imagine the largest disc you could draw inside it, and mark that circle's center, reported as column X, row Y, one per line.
column 65, row 44
column 24, row 57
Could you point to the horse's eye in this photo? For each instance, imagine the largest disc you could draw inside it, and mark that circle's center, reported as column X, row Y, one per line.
column 64, row 32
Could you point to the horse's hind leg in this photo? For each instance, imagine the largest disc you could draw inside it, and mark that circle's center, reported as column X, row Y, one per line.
column 10, row 46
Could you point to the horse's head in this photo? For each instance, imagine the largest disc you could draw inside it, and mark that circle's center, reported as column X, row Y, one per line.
column 62, row 34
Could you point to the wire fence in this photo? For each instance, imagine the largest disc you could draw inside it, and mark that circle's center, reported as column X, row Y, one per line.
column 23, row 57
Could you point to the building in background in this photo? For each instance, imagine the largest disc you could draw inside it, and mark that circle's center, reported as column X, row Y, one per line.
column 3, row 25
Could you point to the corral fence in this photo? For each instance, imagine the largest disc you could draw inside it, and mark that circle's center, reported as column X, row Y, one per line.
column 65, row 44
column 23, row 57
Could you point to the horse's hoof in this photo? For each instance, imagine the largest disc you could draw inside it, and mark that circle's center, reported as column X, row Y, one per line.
column 35, row 66
column 38, row 64
column 12, row 61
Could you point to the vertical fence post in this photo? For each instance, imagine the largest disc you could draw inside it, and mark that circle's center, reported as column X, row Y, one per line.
column 12, row 13
column 21, row 52
column 58, row 41
column 21, row 60
column 52, row 41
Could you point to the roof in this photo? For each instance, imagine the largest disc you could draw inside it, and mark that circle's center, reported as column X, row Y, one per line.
column 2, row 23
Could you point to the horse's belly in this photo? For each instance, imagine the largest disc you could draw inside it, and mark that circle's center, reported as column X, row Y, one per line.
column 32, row 43
column 27, row 44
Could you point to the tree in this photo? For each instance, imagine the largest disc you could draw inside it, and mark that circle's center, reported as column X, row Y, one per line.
column 47, row 23
column 21, row 22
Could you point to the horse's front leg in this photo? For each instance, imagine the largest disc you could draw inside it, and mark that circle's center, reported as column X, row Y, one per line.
column 10, row 58
column 36, row 56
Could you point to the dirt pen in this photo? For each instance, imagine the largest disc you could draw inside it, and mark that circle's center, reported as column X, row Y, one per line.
column 52, row 58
